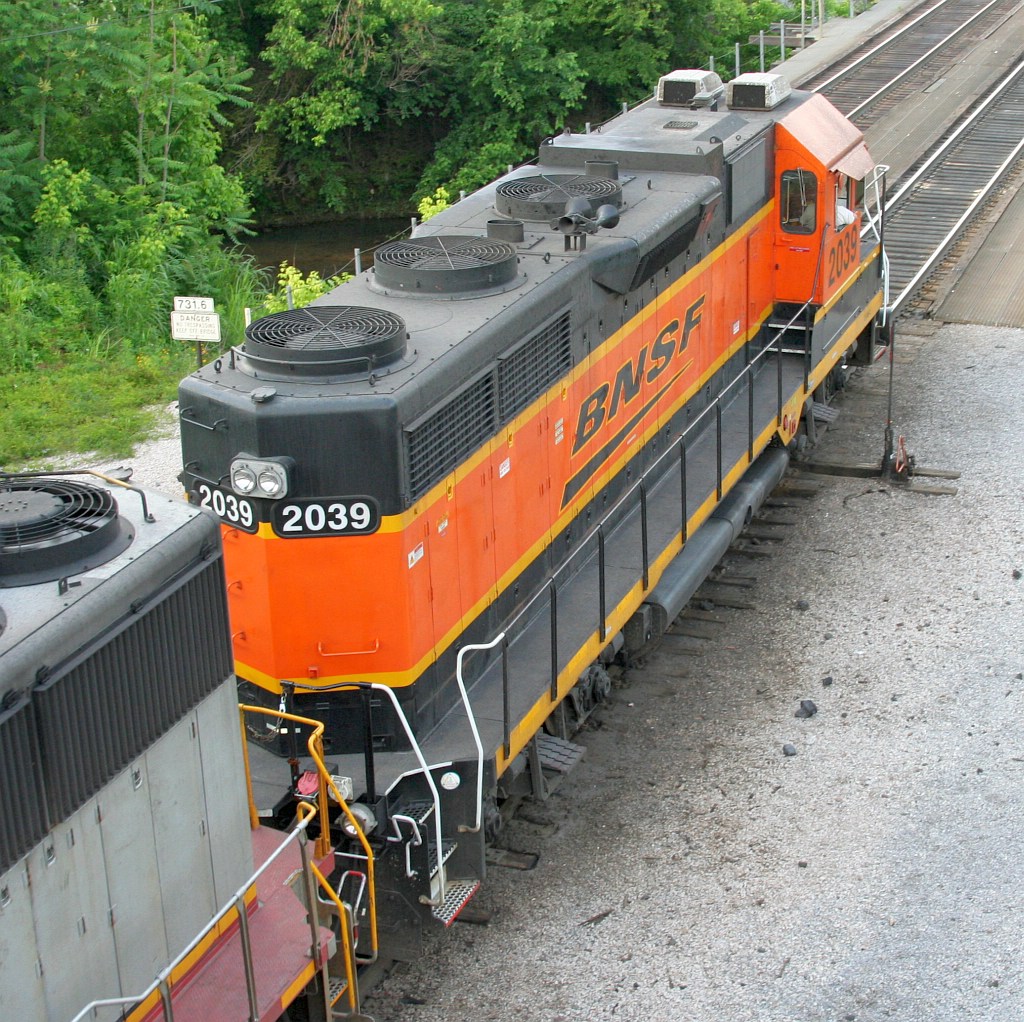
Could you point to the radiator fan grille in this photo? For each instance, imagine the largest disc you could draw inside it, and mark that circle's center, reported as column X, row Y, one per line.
column 326, row 340
column 51, row 528
column 444, row 264
column 543, row 197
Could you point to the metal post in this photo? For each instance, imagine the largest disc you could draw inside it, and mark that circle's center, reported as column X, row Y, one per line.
column 682, row 485
column 165, row 1000
column 643, row 533
column 369, row 766
column 358, row 253
column 750, row 415
column 778, row 363
column 554, row 638
column 737, row 60
column 250, row 971
column 718, row 447
column 505, row 703
column 711, row 62
column 600, row 581
column 761, row 47
column 782, row 42
column 314, row 925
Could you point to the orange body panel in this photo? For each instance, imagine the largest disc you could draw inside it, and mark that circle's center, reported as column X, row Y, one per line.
column 381, row 607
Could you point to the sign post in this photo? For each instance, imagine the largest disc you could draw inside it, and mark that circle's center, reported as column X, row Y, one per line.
column 193, row 319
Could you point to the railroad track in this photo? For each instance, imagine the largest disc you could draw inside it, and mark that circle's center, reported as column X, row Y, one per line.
column 875, row 78
column 937, row 202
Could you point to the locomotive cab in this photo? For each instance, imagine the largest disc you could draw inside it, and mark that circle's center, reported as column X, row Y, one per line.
column 821, row 164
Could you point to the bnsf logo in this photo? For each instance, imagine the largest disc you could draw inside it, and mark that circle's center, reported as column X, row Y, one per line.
column 605, row 403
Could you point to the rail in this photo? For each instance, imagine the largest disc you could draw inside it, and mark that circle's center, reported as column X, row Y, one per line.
column 951, row 172
column 163, row 984
column 460, row 680
column 325, row 785
column 636, row 496
column 420, row 759
column 347, row 942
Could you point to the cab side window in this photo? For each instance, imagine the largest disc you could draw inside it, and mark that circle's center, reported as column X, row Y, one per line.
column 798, row 192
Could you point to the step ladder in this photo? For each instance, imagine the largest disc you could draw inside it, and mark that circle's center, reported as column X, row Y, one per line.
column 411, row 825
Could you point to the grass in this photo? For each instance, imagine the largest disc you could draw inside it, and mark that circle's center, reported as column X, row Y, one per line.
column 85, row 404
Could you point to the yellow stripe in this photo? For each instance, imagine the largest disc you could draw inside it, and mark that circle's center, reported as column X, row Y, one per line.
column 534, row 719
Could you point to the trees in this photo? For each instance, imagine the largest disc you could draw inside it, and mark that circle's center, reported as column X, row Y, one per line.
column 366, row 106
column 109, row 147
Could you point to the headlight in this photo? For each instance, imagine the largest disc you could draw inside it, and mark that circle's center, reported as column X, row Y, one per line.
column 364, row 817
column 242, row 479
column 260, row 477
column 272, row 483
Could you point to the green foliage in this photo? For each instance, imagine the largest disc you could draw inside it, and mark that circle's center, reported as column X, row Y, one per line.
column 133, row 133
column 431, row 205
column 295, row 291
column 88, row 403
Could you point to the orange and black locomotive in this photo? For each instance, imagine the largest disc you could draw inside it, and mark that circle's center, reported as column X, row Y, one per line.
column 454, row 487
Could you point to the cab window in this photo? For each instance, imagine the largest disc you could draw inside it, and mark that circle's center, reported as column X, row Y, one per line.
column 799, row 190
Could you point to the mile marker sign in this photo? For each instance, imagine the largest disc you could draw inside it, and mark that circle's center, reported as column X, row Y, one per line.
column 193, row 319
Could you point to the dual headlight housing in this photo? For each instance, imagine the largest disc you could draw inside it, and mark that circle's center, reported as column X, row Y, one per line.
column 269, row 478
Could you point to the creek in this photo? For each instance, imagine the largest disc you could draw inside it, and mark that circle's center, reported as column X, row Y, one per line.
column 327, row 248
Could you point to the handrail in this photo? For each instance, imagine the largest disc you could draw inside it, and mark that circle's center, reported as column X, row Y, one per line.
column 315, row 746
column 464, row 828
column 424, row 769
column 235, row 903
column 773, row 347
column 346, row 938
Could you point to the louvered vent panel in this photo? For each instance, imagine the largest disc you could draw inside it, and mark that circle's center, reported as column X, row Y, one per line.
column 450, row 434
column 106, row 708
column 537, row 363
column 23, row 821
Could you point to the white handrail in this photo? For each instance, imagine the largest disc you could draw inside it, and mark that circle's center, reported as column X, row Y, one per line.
column 475, row 829
column 418, row 752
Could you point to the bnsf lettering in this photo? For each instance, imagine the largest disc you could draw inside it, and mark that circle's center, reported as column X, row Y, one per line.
column 627, row 383
column 654, row 359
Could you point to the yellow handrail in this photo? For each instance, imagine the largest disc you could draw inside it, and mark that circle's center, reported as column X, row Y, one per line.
column 323, row 844
column 346, row 938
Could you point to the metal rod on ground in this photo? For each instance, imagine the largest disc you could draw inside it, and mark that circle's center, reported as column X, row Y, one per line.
column 358, row 255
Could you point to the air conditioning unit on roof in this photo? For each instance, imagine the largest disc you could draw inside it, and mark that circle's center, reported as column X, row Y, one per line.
column 757, row 91
column 689, row 88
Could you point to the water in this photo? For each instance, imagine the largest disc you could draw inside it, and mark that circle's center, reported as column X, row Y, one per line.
column 327, row 248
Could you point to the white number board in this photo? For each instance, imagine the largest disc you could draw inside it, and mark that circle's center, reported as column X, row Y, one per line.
column 185, row 303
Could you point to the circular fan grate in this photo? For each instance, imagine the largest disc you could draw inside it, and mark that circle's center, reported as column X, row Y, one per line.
column 326, row 339
column 51, row 528
column 444, row 264
column 543, row 198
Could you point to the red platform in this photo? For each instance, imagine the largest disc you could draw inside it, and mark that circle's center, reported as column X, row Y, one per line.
column 280, row 937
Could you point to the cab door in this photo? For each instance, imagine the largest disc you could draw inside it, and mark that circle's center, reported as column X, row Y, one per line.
column 798, row 231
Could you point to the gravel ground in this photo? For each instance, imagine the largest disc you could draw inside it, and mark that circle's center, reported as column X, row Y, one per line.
column 874, row 875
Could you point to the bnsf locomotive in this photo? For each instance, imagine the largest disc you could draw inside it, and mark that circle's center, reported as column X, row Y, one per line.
column 455, row 486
